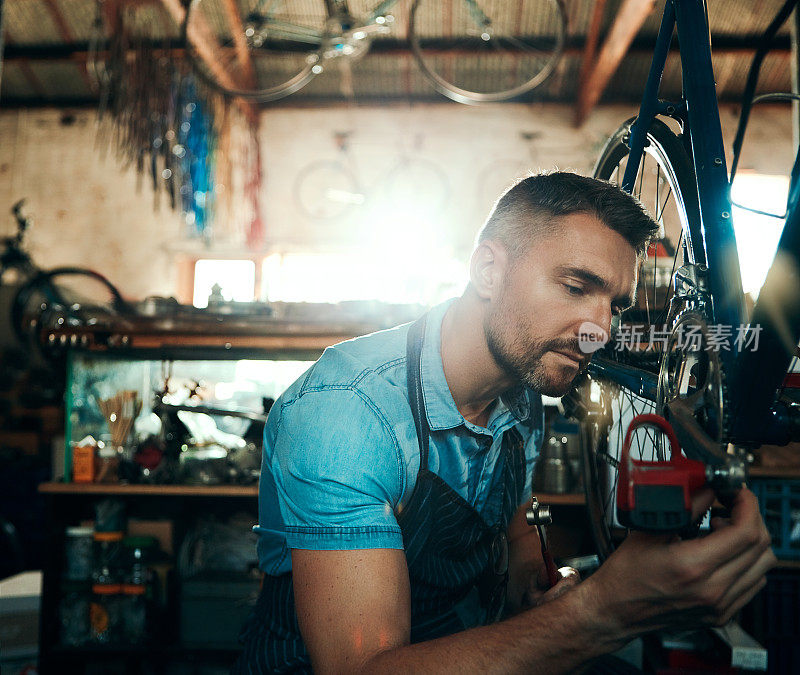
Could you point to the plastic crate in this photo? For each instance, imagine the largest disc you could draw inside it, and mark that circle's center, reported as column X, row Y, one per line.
column 779, row 501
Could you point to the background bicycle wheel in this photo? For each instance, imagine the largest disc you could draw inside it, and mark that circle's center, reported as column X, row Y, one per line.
column 327, row 190
column 418, row 187
column 282, row 40
column 447, row 38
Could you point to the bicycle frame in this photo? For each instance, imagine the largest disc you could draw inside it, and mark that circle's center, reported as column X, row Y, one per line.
column 755, row 376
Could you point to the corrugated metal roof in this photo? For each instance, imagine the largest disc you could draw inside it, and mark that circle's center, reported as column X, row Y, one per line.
column 15, row 84
column 30, row 22
column 390, row 73
column 62, row 80
column 79, row 16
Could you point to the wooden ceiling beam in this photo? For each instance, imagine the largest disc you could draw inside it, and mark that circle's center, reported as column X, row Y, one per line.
column 80, row 52
column 240, row 41
column 590, row 46
column 629, row 20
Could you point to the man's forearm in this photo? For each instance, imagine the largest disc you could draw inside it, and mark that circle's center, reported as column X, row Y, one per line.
column 557, row 637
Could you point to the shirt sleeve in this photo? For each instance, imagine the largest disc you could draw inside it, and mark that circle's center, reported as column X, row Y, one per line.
column 338, row 472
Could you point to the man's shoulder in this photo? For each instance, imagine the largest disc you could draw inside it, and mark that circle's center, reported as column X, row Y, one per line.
column 373, row 363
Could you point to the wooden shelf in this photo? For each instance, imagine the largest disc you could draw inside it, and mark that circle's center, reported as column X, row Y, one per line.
column 774, row 471
column 54, row 488
column 569, row 499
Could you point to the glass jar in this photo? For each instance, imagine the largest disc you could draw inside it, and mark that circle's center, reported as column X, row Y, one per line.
column 73, row 613
column 134, row 613
column 139, row 552
column 109, row 515
column 78, row 554
column 107, row 568
column 105, row 613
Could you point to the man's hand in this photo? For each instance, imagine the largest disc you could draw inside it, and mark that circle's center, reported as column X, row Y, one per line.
column 659, row 581
column 539, row 590
column 528, row 585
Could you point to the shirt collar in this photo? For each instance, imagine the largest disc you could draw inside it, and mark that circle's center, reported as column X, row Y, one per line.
column 439, row 404
column 517, row 402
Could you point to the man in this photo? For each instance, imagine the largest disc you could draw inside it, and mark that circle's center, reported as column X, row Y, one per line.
column 398, row 466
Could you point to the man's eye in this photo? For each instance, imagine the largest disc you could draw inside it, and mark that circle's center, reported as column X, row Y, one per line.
column 573, row 290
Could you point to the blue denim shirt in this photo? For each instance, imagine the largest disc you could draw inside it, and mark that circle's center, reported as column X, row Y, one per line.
column 341, row 454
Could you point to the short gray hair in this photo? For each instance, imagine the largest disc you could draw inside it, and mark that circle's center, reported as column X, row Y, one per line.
column 531, row 206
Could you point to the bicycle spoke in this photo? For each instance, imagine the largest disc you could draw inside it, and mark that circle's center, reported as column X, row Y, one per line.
column 658, row 183
column 663, row 315
column 646, row 299
column 660, row 213
column 640, row 179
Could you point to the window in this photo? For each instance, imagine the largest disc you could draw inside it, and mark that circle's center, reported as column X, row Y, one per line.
column 391, row 274
column 236, row 279
column 391, row 277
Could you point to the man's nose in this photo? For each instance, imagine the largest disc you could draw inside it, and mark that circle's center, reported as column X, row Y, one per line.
column 596, row 324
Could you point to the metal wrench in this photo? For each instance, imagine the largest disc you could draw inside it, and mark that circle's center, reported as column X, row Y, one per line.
column 538, row 515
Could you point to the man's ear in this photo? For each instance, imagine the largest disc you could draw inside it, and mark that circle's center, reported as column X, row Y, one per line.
column 487, row 268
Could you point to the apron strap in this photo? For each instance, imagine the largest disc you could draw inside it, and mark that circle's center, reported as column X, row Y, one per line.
column 416, row 334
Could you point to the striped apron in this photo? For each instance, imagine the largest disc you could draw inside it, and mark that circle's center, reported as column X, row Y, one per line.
column 451, row 551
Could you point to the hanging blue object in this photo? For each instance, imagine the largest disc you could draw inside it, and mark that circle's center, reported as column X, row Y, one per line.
column 196, row 151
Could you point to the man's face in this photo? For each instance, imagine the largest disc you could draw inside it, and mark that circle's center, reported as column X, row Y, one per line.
column 582, row 274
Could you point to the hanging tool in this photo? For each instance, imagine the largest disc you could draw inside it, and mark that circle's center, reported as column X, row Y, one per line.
column 538, row 515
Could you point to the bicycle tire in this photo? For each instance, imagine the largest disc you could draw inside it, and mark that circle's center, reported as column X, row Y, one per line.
column 326, row 190
column 601, row 438
column 418, row 181
column 535, row 56
column 306, row 65
column 42, row 283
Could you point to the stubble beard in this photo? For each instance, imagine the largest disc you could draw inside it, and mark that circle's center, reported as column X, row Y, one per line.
column 522, row 360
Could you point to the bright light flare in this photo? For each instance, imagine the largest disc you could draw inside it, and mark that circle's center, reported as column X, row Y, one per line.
column 757, row 235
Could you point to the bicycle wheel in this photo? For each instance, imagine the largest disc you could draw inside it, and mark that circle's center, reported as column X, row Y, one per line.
column 481, row 51
column 417, row 184
column 607, row 399
column 327, row 190
column 278, row 52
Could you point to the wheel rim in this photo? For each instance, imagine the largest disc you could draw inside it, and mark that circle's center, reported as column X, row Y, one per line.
column 657, row 187
column 490, row 32
column 292, row 47
column 327, row 190
column 420, row 182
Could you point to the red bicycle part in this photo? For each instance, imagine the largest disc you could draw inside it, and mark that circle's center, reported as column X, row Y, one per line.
column 656, row 495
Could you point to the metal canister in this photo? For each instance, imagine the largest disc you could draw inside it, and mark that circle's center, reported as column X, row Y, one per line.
column 73, row 612
column 134, row 613
column 78, row 553
column 105, row 613
column 556, row 471
column 108, row 559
